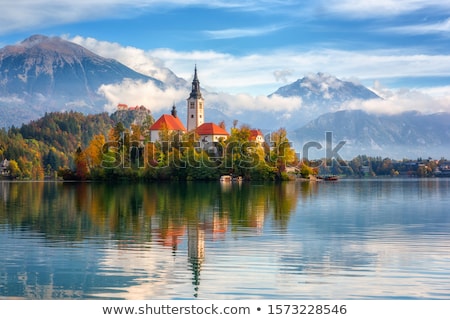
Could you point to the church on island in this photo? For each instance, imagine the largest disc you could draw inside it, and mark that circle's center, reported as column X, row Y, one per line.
column 207, row 132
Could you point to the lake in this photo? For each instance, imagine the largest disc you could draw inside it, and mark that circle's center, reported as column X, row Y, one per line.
column 349, row 239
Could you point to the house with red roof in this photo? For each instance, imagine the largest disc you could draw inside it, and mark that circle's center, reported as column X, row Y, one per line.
column 210, row 132
column 256, row 136
column 122, row 106
column 167, row 122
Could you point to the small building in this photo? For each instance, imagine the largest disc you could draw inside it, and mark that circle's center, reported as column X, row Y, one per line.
column 210, row 132
column 4, row 171
column 122, row 106
column 169, row 122
column 257, row 136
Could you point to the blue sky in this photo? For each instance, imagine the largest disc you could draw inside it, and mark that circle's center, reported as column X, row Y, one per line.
column 254, row 47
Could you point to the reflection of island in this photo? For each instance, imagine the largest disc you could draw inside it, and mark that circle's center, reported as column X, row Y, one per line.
column 153, row 212
column 175, row 216
column 140, row 210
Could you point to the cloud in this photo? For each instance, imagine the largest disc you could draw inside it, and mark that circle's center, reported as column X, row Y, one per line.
column 11, row 100
column 282, row 75
column 441, row 27
column 153, row 63
column 25, row 14
column 29, row 14
column 221, row 71
column 241, row 33
column 243, row 82
column 254, row 73
column 381, row 8
column 403, row 100
column 137, row 59
column 137, row 93
column 132, row 92
column 236, row 103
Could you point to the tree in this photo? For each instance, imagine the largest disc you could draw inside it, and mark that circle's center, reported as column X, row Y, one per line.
column 53, row 160
column 281, row 152
column 306, row 171
column 117, row 132
column 147, row 123
column 94, row 152
column 13, row 168
column 81, row 166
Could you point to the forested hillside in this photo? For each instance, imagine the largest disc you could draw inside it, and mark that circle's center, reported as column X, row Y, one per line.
column 44, row 146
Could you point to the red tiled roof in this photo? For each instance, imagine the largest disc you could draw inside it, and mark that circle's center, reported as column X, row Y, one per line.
column 254, row 133
column 210, row 128
column 168, row 122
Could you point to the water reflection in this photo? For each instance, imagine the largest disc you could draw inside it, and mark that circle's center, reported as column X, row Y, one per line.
column 89, row 224
column 75, row 211
column 376, row 238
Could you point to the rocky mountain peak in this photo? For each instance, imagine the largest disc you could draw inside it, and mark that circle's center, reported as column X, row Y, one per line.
column 322, row 88
column 43, row 74
column 34, row 40
column 40, row 45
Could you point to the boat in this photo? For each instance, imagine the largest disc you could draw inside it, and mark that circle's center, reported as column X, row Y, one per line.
column 230, row 178
column 442, row 173
column 226, row 178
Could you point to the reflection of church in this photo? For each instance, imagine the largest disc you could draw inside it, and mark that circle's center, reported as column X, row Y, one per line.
column 208, row 132
column 196, row 252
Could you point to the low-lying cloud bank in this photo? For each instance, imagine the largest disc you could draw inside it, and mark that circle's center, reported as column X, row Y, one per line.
column 238, row 82
column 403, row 100
column 133, row 93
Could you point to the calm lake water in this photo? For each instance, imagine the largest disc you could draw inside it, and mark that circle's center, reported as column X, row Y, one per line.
column 350, row 239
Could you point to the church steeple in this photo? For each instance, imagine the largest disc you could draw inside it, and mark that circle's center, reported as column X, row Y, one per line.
column 195, row 93
column 195, row 112
column 174, row 111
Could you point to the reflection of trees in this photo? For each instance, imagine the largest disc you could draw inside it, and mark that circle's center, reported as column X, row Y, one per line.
column 249, row 205
column 138, row 212
column 165, row 214
column 284, row 200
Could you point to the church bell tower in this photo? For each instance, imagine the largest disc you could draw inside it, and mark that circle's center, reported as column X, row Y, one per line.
column 195, row 107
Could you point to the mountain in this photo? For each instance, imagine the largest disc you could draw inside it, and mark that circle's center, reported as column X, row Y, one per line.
column 43, row 74
column 409, row 134
column 324, row 90
column 316, row 94
column 322, row 93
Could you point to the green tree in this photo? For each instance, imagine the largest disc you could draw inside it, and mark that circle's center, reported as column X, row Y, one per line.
column 13, row 168
column 281, row 153
column 306, row 171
